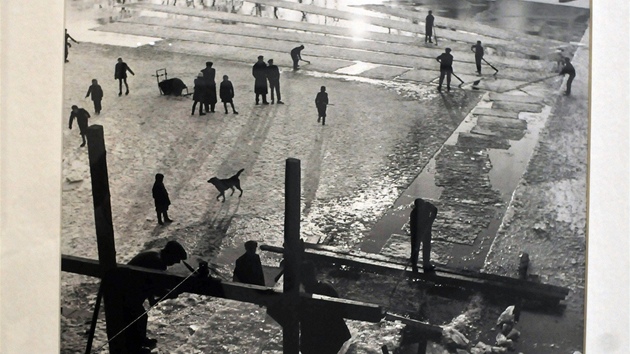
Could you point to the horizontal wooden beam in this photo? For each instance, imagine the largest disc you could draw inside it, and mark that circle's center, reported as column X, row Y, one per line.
column 466, row 279
column 254, row 294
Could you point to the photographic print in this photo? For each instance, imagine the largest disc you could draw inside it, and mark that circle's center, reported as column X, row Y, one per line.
column 324, row 176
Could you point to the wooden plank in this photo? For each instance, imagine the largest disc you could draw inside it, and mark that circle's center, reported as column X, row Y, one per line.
column 260, row 295
column 505, row 285
column 495, row 112
column 514, row 98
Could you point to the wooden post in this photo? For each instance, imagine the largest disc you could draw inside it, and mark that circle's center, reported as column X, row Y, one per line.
column 105, row 235
column 293, row 249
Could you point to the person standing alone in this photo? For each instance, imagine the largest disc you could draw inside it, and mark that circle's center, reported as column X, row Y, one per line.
column 226, row 92
column 321, row 102
column 428, row 27
column 478, row 49
column 160, row 196
column 296, row 56
column 97, row 95
column 120, row 74
column 273, row 75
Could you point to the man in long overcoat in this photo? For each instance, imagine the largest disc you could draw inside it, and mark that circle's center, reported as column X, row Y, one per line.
column 273, row 75
column 428, row 27
column 162, row 201
column 259, row 71
column 211, row 87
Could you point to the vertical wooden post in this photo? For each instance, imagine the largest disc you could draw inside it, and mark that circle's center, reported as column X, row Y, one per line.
column 293, row 249
column 105, row 235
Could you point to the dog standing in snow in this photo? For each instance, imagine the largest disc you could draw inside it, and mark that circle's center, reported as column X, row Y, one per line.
column 227, row 183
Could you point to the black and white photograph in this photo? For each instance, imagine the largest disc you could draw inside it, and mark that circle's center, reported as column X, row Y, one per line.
column 457, row 128
column 260, row 177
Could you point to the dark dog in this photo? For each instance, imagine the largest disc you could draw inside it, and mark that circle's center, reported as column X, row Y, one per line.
column 228, row 183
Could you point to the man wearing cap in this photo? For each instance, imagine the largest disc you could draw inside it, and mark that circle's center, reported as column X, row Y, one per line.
column 296, row 56
column 273, row 75
column 248, row 268
column 160, row 196
column 478, row 49
column 82, row 120
column 210, row 95
column 136, row 293
column 259, row 71
column 446, row 68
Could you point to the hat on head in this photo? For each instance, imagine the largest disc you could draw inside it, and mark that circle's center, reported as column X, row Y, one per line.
column 447, row 50
column 260, row 57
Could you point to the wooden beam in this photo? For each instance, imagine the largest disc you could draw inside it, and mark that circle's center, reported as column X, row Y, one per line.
column 473, row 280
column 260, row 295
column 292, row 257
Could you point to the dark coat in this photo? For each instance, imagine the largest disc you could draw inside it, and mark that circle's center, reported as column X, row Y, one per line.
column 82, row 119
column 200, row 86
column 160, row 196
column 568, row 69
column 273, row 74
column 429, row 25
column 321, row 100
column 226, row 91
column 478, row 50
column 249, row 270
column 446, row 61
column 259, row 71
column 96, row 91
column 120, row 71
column 211, row 87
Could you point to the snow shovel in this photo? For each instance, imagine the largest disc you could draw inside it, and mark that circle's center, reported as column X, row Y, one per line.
column 492, row 66
column 305, row 61
column 460, row 80
column 535, row 81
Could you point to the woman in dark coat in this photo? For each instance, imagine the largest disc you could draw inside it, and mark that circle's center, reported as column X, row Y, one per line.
column 199, row 94
column 160, row 195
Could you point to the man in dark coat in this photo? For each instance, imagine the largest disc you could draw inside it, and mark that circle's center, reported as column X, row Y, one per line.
column 296, row 56
column 446, row 68
column 226, row 92
column 259, row 71
column 82, row 120
column 67, row 43
column 160, row 196
column 321, row 330
column 120, row 74
column 568, row 69
column 273, row 75
column 478, row 49
column 321, row 102
column 211, row 87
column 136, row 293
column 199, row 94
column 97, row 95
column 428, row 27
column 421, row 221
column 248, row 268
